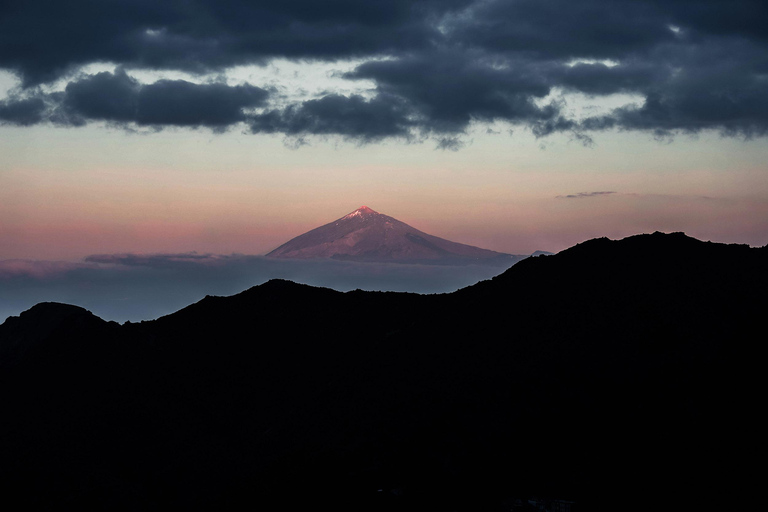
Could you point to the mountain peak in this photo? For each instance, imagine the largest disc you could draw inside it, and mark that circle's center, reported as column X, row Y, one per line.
column 362, row 211
column 367, row 235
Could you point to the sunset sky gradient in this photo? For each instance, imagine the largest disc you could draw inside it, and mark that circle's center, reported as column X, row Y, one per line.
column 70, row 192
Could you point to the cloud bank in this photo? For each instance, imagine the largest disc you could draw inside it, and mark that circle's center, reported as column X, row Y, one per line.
column 141, row 287
column 437, row 67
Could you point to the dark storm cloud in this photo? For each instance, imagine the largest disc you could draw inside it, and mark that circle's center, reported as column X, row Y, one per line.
column 105, row 96
column 354, row 116
column 563, row 29
column 693, row 65
column 448, row 90
column 599, row 79
column 742, row 18
column 23, row 112
column 722, row 93
column 121, row 99
column 42, row 39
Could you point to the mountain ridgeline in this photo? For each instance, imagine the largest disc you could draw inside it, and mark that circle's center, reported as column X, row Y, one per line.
column 614, row 375
column 369, row 236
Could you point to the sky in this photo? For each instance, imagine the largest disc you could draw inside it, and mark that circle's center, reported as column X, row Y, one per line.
column 228, row 127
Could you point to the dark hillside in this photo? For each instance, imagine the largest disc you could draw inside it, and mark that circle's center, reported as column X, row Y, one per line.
column 616, row 374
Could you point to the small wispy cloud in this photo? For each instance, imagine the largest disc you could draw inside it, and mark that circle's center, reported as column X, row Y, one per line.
column 450, row 143
column 587, row 194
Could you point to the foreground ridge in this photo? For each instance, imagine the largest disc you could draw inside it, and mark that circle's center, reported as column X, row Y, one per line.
column 614, row 374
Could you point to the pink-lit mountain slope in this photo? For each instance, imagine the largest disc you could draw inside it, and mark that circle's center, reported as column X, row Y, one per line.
column 366, row 235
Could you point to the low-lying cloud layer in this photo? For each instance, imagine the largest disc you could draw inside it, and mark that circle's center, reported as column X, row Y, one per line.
column 141, row 287
column 437, row 66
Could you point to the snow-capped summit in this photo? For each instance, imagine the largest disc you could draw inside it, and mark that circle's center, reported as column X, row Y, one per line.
column 361, row 212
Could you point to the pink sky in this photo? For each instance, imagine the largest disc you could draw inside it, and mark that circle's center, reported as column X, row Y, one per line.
column 69, row 193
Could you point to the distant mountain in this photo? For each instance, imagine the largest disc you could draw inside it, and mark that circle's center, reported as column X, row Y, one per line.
column 366, row 235
column 619, row 375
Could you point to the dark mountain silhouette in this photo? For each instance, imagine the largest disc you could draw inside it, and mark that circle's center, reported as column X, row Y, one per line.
column 366, row 235
column 615, row 374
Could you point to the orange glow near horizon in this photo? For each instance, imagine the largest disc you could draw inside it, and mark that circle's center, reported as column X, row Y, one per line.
column 553, row 225
column 61, row 198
